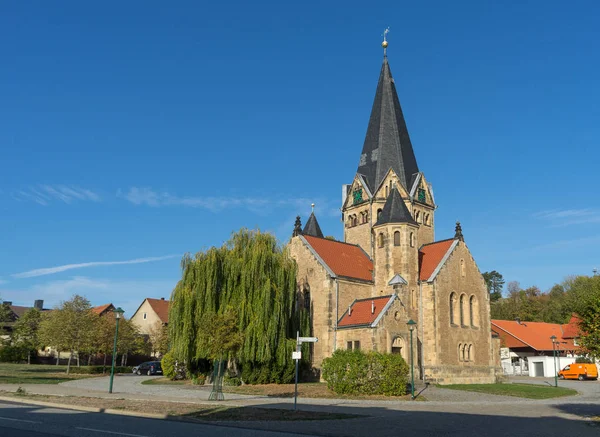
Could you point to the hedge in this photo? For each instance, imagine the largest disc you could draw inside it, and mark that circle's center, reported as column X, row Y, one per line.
column 371, row 373
column 95, row 370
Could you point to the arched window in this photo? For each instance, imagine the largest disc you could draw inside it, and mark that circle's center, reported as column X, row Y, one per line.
column 366, row 216
column 398, row 346
column 380, row 239
column 386, row 191
column 378, row 213
column 307, row 299
column 474, row 311
column 453, row 308
column 397, row 238
column 463, row 272
column 464, row 353
column 460, row 352
column 354, row 220
column 470, row 354
column 462, row 304
column 426, row 219
column 417, row 216
column 412, row 239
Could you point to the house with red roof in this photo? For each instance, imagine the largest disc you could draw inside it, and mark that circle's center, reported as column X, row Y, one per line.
column 150, row 314
column 389, row 269
column 527, row 348
column 103, row 310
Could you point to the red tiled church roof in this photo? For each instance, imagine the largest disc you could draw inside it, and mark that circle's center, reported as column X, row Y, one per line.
column 430, row 257
column 361, row 313
column 343, row 259
column 161, row 308
column 533, row 334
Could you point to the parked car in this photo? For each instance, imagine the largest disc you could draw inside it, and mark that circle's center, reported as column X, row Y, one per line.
column 148, row 368
column 579, row 371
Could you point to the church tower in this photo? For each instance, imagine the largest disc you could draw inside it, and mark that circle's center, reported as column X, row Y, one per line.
column 387, row 165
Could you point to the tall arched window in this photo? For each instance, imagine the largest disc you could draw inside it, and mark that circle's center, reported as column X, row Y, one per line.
column 460, row 352
column 378, row 213
column 307, row 299
column 417, row 216
column 397, row 238
column 380, row 239
column 474, row 311
column 470, row 354
column 426, row 219
column 412, row 239
column 387, row 192
column 464, row 353
column 462, row 304
column 453, row 308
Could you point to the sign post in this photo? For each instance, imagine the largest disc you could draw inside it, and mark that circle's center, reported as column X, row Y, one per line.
column 297, row 355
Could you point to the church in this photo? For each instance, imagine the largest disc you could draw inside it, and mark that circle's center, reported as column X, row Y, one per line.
column 389, row 270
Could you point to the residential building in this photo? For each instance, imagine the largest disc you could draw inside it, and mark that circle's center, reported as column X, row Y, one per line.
column 151, row 312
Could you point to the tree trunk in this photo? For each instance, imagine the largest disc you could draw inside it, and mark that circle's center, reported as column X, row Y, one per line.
column 104, row 364
column 78, row 363
column 89, row 360
column 57, row 357
column 69, row 362
column 28, row 357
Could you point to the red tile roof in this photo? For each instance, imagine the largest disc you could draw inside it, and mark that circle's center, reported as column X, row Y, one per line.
column 533, row 334
column 161, row 308
column 103, row 308
column 430, row 257
column 571, row 329
column 361, row 311
column 343, row 259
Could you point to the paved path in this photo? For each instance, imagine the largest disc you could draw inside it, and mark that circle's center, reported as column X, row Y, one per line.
column 451, row 413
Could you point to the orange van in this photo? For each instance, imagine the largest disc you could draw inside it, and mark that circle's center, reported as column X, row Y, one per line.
column 579, row 371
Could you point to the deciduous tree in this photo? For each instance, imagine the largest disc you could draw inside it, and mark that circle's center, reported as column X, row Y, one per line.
column 25, row 331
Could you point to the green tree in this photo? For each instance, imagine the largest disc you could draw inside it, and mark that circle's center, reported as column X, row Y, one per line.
column 25, row 332
column 5, row 315
column 257, row 277
column 219, row 335
column 494, row 282
column 159, row 339
column 69, row 327
column 584, row 299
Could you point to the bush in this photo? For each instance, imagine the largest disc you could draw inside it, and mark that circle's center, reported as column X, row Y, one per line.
column 168, row 365
column 198, row 379
column 12, row 354
column 95, row 370
column 232, row 381
column 583, row 360
column 371, row 373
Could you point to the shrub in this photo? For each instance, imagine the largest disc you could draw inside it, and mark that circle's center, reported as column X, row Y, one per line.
column 168, row 365
column 198, row 379
column 232, row 381
column 371, row 373
column 13, row 354
column 95, row 370
column 583, row 360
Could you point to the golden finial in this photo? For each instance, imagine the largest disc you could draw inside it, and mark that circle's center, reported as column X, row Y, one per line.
column 384, row 44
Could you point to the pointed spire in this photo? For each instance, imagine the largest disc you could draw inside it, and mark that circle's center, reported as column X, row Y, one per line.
column 395, row 210
column 312, row 227
column 387, row 143
column 297, row 227
column 458, row 235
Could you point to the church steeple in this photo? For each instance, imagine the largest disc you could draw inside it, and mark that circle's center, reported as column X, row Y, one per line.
column 387, row 143
column 312, row 225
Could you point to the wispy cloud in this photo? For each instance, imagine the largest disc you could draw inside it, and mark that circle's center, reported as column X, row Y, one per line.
column 564, row 244
column 149, row 197
column 63, row 268
column 3, row 281
column 46, row 194
column 566, row 217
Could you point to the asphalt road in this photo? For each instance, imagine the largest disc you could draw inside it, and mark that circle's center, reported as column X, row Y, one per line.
column 21, row 420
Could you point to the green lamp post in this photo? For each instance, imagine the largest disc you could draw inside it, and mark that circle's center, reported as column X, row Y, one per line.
column 553, row 338
column 118, row 315
column 411, row 326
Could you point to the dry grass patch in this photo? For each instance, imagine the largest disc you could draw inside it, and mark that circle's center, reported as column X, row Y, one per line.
column 199, row 412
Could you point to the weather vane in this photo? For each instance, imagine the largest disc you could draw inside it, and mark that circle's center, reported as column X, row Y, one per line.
column 384, row 44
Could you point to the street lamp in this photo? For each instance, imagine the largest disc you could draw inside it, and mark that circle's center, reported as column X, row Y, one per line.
column 411, row 326
column 118, row 315
column 553, row 338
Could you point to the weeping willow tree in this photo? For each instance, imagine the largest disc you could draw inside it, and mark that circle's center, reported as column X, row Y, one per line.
column 252, row 274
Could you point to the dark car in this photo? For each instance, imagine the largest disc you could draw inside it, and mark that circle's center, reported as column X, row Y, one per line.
column 148, row 368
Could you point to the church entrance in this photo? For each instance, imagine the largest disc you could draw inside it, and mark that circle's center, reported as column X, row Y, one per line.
column 399, row 347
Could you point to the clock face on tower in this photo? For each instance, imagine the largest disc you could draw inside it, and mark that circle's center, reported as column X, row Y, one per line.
column 357, row 196
column 421, row 195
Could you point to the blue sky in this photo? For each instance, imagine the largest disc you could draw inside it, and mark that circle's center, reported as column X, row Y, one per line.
column 133, row 132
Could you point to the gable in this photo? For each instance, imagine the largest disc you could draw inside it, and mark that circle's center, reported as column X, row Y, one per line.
column 390, row 181
column 358, row 193
column 421, row 191
column 340, row 259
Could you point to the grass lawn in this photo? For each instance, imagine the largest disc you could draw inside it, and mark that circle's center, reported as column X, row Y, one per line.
column 191, row 411
column 529, row 391
column 35, row 374
column 305, row 390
